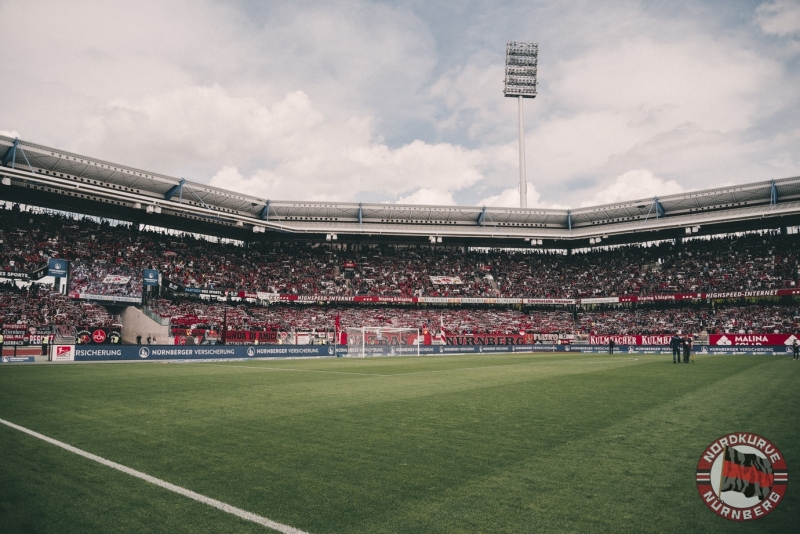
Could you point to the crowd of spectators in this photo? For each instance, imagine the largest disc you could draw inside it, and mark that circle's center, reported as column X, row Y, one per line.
column 37, row 305
column 107, row 260
column 732, row 319
column 97, row 249
column 309, row 318
column 721, row 320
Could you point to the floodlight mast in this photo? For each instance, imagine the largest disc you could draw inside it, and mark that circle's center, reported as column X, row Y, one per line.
column 522, row 60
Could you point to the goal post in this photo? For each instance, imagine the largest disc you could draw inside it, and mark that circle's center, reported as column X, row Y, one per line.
column 382, row 341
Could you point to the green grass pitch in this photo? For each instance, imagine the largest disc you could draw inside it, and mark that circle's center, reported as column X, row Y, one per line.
column 482, row 443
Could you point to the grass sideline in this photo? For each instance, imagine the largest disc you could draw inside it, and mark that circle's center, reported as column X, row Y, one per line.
column 479, row 443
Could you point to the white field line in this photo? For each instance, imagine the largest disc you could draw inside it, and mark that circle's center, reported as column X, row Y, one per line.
column 244, row 514
column 265, row 368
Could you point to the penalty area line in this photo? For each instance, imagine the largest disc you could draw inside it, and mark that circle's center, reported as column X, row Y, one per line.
column 238, row 512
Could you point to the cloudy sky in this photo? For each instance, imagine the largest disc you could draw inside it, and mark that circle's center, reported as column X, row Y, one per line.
column 402, row 101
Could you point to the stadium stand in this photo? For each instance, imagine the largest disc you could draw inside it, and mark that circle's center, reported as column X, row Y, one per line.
column 41, row 307
column 726, row 319
column 100, row 251
column 107, row 261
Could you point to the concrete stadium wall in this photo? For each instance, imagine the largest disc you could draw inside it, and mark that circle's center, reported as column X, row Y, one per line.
column 135, row 323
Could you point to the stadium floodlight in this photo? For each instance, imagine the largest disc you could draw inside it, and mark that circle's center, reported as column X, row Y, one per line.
column 6, row 180
column 334, row 237
column 522, row 60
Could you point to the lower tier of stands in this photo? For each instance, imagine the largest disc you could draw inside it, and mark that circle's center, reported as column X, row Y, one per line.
column 641, row 321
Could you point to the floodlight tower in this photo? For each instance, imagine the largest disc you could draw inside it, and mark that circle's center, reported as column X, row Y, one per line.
column 521, row 62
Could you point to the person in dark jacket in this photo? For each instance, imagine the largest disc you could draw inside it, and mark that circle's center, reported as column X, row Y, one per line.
column 687, row 348
column 675, row 345
column 795, row 350
column 610, row 346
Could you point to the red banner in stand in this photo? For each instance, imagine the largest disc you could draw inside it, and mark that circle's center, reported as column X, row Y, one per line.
column 752, row 339
column 489, row 339
column 621, row 339
column 231, row 336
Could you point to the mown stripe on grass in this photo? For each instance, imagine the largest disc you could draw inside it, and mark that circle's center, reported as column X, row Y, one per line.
column 238, row 512
column 452, row 370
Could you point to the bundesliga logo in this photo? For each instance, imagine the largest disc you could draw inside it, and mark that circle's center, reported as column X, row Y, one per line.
column 742, row 477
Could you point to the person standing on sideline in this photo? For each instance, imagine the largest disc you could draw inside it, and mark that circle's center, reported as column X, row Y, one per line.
column 610, row 345
column 45, row 341
column 690, row 342
column 795, row 349
column 687, row 348
column 675, row 345
column 2, row 340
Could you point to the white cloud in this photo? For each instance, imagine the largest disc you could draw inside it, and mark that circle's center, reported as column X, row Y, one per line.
column 684, row 109
column 473, row 99
column 634, row 185
column 432, row 197
column 779, row 17
column 302, row 153
column 509, row 198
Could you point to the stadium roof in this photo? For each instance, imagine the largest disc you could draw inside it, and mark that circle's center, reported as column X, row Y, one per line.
column 48, row 177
